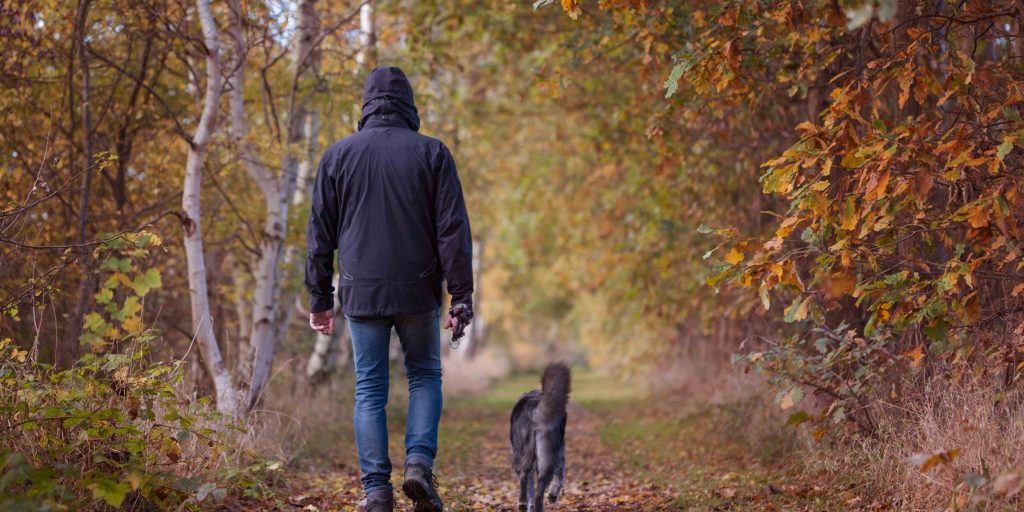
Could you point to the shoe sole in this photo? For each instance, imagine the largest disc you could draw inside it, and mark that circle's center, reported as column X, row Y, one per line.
column 420, row 496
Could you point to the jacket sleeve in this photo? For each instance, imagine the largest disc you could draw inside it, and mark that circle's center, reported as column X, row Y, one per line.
column 322, row 239
column 454, row 239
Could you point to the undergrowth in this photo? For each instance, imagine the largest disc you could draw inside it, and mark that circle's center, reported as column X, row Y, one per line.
column 114, row 431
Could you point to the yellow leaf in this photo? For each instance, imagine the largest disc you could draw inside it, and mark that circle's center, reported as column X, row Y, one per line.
column 853, row 160
column 572, row 8
column 916, row 356
column 132, row 324
column 734, row 257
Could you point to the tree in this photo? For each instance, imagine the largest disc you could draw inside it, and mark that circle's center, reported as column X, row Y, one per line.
column 202, row 320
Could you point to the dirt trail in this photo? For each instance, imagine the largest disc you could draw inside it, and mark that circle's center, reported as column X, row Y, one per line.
column 621, row 455
column 595, row 480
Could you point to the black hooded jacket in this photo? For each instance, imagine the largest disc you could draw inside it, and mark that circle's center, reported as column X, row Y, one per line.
column 389, row 200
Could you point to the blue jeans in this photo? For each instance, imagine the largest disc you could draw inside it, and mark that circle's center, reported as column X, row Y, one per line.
column 421, row 343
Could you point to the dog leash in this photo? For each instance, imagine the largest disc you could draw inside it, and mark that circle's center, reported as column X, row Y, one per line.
column 462, row 315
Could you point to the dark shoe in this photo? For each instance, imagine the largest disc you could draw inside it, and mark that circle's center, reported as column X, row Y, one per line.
column 380, row 504
column 420, row 487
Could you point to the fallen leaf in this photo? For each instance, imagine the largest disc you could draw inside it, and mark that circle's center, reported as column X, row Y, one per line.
column 1008, row 484
column 927, row 461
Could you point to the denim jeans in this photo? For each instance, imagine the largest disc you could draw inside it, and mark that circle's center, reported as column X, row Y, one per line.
column 421, row 343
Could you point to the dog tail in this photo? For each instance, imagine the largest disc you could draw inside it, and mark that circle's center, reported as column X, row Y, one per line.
column 554, row 392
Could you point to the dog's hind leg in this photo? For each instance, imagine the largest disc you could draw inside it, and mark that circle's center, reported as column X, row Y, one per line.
column 526, row 490
column 559, row 479
column 545, row 469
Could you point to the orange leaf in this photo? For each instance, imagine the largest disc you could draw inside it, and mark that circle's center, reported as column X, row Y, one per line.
column 978, row 217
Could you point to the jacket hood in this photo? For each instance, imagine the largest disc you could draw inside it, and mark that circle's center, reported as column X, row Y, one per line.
column 388, row 100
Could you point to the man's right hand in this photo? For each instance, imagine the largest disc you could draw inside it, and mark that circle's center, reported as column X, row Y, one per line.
column 322, row 322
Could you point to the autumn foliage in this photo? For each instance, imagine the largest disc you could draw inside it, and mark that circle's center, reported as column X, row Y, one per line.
column 822, row 193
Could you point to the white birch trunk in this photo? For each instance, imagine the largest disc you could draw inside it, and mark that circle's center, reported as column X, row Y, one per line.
column 277, row 191
column 202, row 321
column 474, row 339
column 367, row 37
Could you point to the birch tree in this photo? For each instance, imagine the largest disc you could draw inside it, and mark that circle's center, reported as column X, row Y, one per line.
column 202, row 321
column 277, row 190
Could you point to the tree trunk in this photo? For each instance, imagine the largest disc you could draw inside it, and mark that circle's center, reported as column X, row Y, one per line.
column 303, row 189
column 329, row 353
column 69, row 352
column 202, row 322
column 367, row 55
column 277, row 192
column 476, row 334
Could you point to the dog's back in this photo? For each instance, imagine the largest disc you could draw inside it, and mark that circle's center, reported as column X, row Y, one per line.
column 538, row 438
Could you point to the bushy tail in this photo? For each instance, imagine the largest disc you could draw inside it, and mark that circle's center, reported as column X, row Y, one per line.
column 554, row 392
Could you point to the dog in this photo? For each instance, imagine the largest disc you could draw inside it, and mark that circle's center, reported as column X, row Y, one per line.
column 538, row 438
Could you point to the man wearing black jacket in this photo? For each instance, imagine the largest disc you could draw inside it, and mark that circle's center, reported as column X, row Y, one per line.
column 389, row 201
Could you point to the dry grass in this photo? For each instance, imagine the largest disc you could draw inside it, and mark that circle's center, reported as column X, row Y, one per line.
column 985, row 429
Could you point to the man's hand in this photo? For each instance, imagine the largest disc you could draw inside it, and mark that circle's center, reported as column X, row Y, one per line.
column 459, row 317
column 449, row 323
column 322, row 322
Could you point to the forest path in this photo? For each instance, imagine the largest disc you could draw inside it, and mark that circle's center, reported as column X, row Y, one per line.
column 625, row 451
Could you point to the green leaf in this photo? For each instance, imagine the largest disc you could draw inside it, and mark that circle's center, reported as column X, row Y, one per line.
column 110, row 491
column 96, row 323
column 122, row 264
column 146, row 282
column 204, row 491
column 1004, row 148
column 131, row 307
column 936, row 331
column 797, row 418
column 672, row 84
column 104, row 296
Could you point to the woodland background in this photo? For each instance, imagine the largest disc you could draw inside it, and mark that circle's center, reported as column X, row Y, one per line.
column 812, row 207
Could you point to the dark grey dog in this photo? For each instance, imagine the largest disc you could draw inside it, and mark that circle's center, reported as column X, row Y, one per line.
column 538, row 438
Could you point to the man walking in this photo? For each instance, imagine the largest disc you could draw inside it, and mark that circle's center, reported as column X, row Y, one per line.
column 389, row 201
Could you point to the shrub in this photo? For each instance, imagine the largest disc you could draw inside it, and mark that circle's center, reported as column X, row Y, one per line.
column 111, row 431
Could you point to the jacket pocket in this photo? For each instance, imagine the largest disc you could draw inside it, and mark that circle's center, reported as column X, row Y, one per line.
column 344, row 273
column 430, row 269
